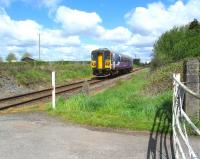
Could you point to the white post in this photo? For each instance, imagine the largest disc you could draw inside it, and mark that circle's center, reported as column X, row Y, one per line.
column 53, row 90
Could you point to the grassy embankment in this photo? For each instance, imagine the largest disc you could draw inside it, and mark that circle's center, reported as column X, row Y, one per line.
column 138, row 104
column 39, row 73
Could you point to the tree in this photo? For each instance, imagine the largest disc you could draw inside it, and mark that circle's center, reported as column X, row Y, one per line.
column 11, row 57
column 26, row 54
column 176, row 44
column 136, row 62
column 1, row 60
column 194, row 24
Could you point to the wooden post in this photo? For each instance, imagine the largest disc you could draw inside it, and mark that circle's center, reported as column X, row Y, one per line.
column 53, row 90
column 191, row 77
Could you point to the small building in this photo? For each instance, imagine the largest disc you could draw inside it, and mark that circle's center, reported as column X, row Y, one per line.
column 27, row 59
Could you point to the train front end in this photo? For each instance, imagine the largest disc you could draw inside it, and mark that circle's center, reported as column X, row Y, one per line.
column 101, row 62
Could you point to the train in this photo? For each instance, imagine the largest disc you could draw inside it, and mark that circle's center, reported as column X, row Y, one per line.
column 105, row 62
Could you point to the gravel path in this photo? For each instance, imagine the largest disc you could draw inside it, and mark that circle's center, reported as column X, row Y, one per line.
column 9, row 87
column 38, row 136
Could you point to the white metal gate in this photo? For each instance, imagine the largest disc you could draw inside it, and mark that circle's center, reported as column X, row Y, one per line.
column 179, row 121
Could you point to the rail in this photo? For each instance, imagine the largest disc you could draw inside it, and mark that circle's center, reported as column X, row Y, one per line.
column 41, row 91
column 36, row 96
column 180, row 120
column 22, row 99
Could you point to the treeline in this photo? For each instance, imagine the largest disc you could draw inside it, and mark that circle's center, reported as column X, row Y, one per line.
column 12, row 57
column 176, row 44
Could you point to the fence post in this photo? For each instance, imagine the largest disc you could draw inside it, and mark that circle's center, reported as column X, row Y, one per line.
column 191, row 77
column 53, row 90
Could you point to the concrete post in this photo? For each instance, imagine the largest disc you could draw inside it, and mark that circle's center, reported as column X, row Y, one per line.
column 191, row 77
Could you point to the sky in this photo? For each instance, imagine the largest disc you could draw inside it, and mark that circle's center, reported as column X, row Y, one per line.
column 71, row 29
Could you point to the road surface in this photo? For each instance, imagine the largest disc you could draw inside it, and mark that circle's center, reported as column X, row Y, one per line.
column 38, row 136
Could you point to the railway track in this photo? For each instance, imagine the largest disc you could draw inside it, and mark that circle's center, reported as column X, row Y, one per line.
column 44, row 94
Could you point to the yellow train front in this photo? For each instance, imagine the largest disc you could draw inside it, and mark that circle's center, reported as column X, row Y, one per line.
column 101, row 62
column 106, row 63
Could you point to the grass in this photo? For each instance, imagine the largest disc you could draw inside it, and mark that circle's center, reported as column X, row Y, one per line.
column 25, row 109
column 124, row 106
column 39, row 73
column 32, row 76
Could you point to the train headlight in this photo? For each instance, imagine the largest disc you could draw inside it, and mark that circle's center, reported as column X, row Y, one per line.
column 107, row 64
column 93, row 64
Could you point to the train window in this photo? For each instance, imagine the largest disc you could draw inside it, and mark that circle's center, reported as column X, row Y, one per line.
column 106, row 55
column 117, row 58
column 94, row 55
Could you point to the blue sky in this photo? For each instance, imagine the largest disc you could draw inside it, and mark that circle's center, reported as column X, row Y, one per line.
column 71, row 29
column 112, row 11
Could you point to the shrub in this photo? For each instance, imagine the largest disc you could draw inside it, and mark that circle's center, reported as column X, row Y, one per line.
column 176, row 44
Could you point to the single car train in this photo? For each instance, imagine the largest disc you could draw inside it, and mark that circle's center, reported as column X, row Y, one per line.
column 108, row 63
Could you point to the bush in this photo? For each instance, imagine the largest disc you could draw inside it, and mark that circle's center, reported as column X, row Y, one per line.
column 1, row 60
column 176, row 44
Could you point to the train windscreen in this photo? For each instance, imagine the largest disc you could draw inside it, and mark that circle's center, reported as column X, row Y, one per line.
column 94, row 55
column 106, row 55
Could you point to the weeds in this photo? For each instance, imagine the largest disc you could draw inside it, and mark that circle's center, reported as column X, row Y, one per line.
column 123, row 106
column 40, row 72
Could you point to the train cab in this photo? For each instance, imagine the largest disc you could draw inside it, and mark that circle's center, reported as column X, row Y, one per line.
column 101, row 62
column 107, row 63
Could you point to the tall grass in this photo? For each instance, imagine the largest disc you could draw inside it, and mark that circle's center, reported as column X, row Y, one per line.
column 124, row 106
column 39, row 73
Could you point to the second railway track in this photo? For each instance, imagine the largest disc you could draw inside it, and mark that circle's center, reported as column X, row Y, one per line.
column 37, row 96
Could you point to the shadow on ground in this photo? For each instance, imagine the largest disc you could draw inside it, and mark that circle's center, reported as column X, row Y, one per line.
column 160, row 144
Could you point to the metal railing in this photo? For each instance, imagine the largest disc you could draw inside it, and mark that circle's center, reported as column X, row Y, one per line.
column 180, row 120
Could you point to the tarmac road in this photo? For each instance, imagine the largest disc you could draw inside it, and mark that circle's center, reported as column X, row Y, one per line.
column 38, row 136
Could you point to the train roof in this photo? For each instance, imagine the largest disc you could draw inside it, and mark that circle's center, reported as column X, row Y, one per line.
column 126, row 56
column 102, row 49
column 106, row 49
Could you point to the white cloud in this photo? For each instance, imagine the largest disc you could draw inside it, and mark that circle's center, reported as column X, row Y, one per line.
column 135, row 52
column 77, row 22
column 56, row 44
column 54, row 38
column 21, row 36
column 119, row 34
column 14, row 32
column 91, row 47
column 157, row 18
column 145, row 25
column 27, row 31
column 141, row 40
column 148, row 23
column 80, row 53
column 50, row 3
column 89, row 23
